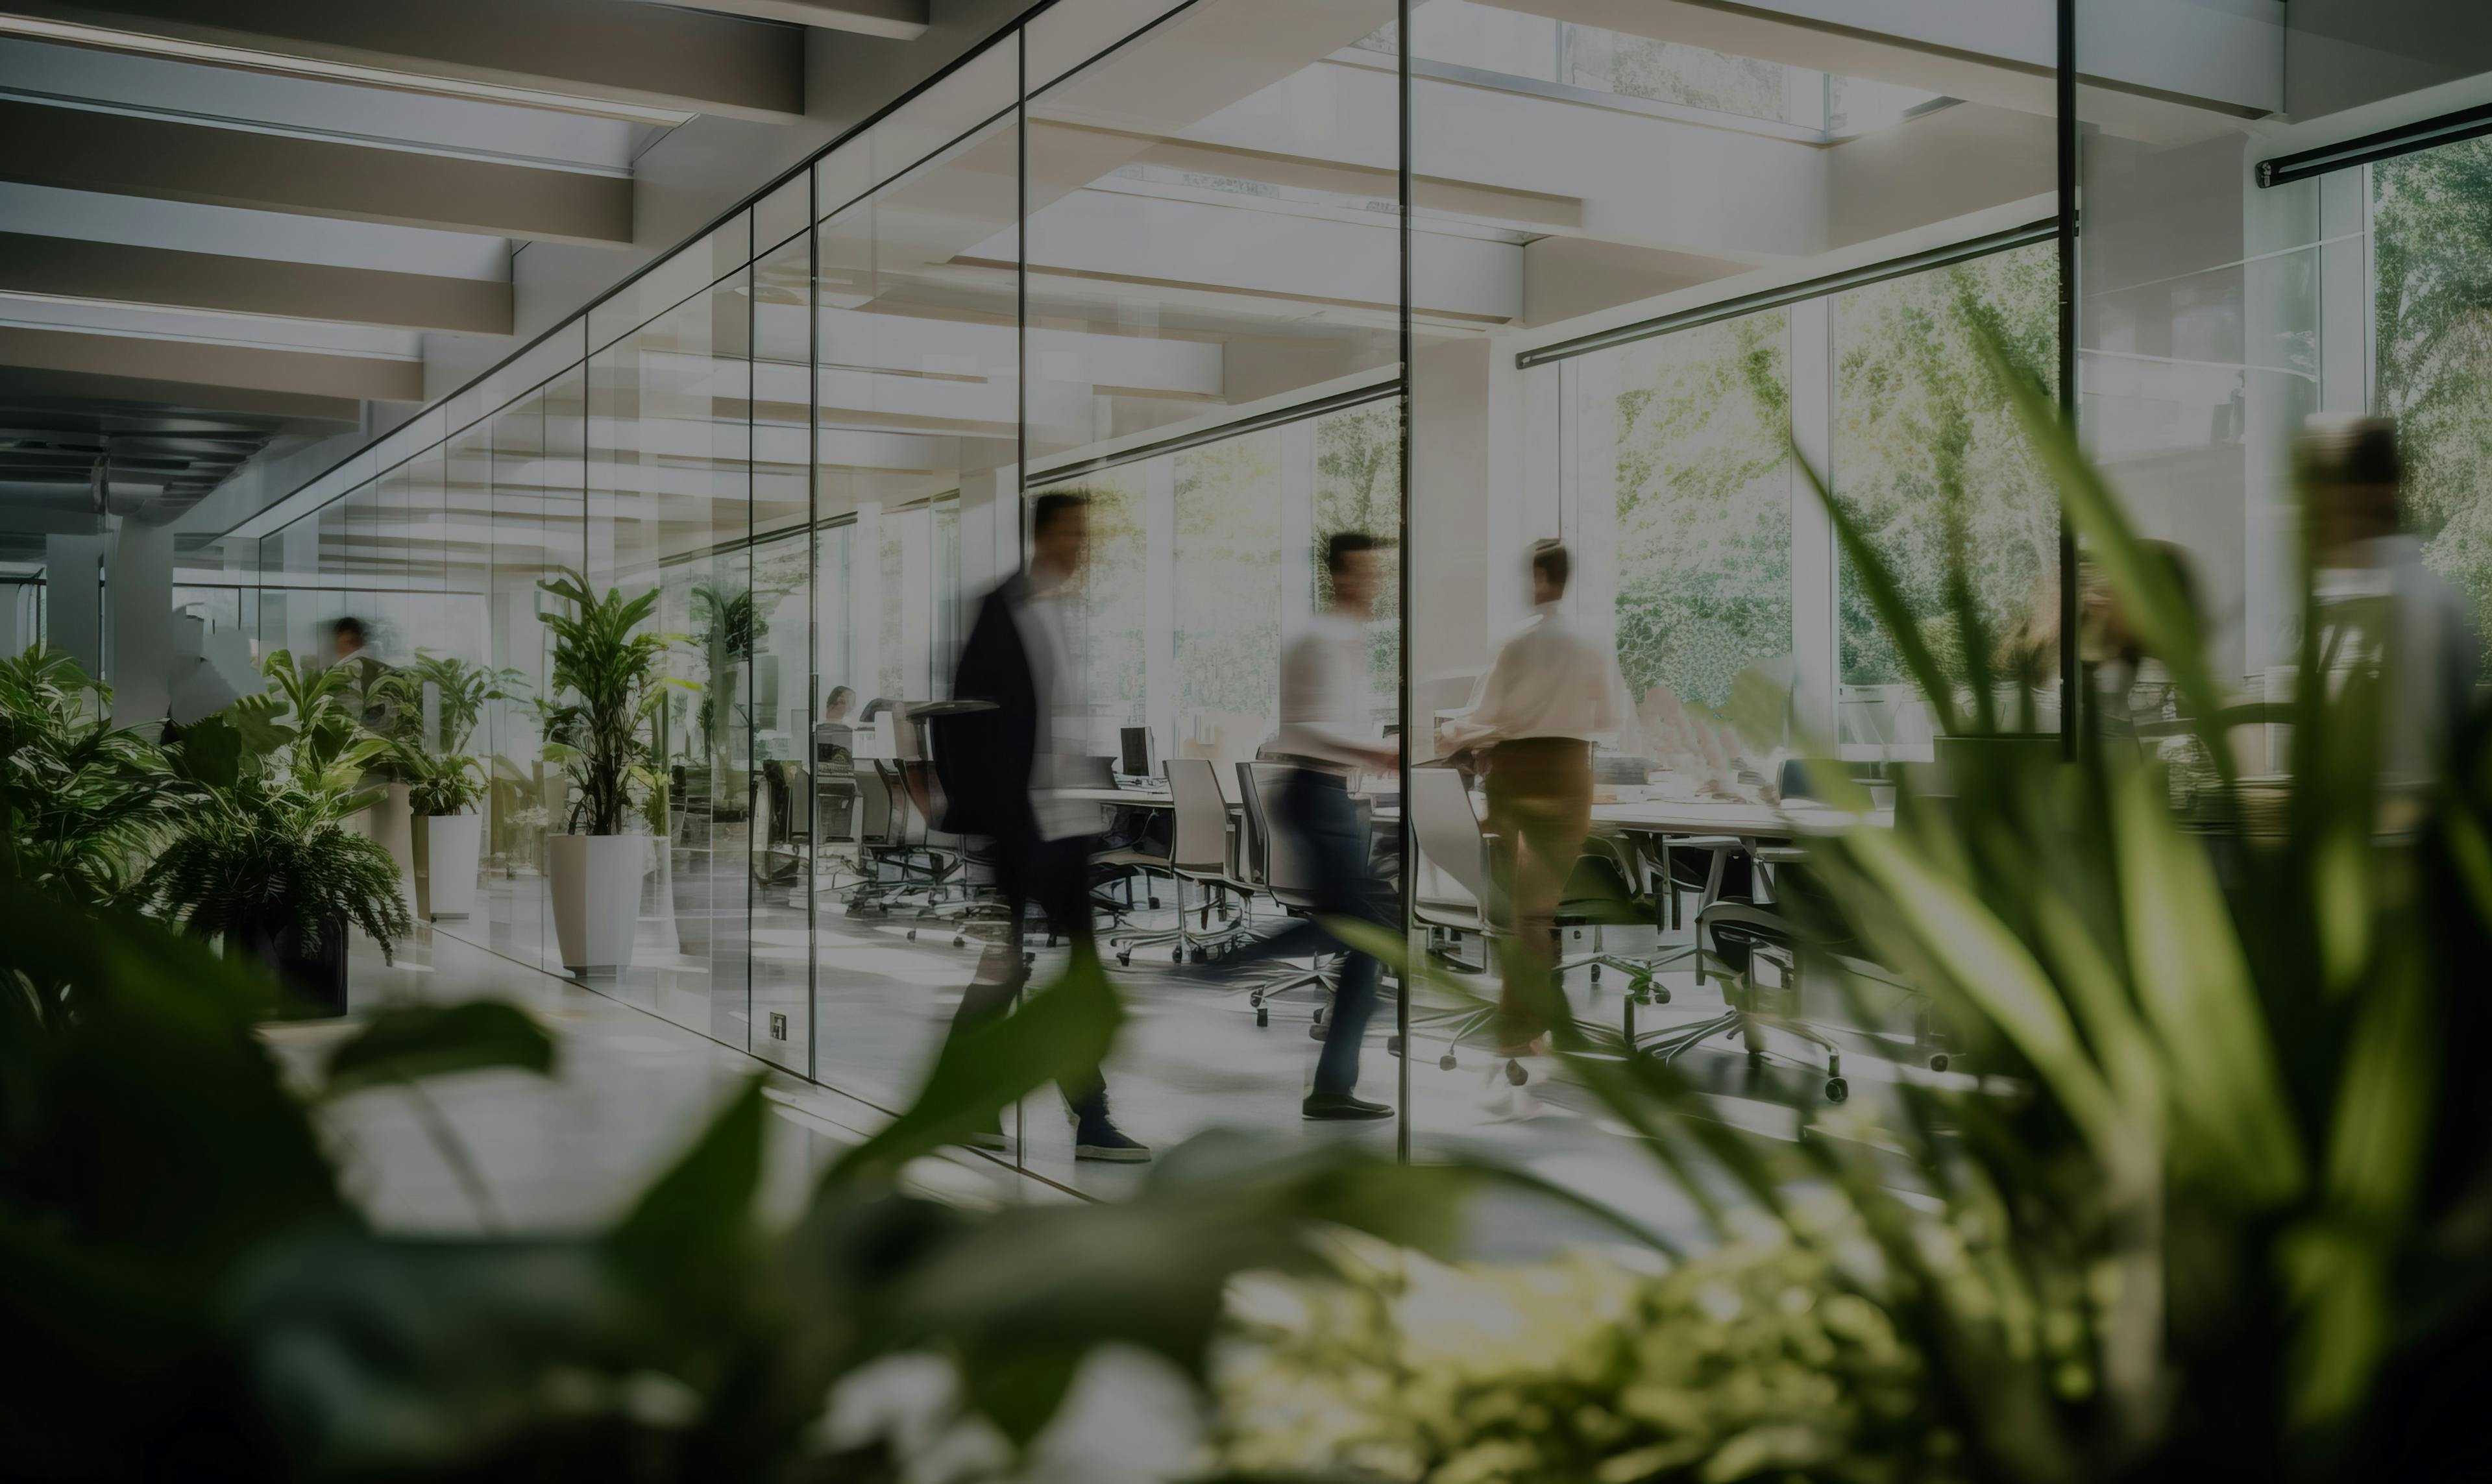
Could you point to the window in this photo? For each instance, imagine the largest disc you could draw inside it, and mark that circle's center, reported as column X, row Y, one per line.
column 1928, row 459
column 2432, row 257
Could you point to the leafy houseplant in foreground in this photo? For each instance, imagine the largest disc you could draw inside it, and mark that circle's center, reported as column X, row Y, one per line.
column 82, row 802
column 263, row 861
column 186, row 1290
column 606, row 686
column 2213, row 1208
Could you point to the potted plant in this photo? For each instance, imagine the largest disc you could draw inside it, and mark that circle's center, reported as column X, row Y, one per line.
column 266, row 861
column 443, row 795
column 84, row 802
column 605, row 684
column 434, row 704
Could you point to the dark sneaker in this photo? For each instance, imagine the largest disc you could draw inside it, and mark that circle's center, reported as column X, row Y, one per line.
column 1343, row 1108
column 1095, row 1136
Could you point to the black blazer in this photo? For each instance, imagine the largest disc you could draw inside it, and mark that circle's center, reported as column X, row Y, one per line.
column 984, row 759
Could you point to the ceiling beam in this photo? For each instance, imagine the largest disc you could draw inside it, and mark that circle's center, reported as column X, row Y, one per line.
column 326, row 377
column 70, row 268
column 146, row 401
column 899, row 21
column 120, row 154
column 647, row 55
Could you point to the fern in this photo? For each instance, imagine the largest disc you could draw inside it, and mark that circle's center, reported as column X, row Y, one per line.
column 267, row 844
column 83, row 802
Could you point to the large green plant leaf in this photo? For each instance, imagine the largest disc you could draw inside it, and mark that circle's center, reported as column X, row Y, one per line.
column 405, row 1043
column 1059, row 1033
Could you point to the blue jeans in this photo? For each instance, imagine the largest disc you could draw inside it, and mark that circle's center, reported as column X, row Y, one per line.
column 1316, row 809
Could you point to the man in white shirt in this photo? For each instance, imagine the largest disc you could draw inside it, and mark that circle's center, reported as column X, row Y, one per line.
column 1549, row 696
column 1327, row 708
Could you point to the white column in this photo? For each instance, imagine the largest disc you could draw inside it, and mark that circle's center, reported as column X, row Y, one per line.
column 865, row 600
column 74, row 600
column 917, row 598
column 1587, row 488
column 141, row 621
column 1159, row 603
column 1299, row 555
column 1814, row 675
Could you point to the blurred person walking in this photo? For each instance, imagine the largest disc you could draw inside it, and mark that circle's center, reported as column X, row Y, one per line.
column 1552, row 691
column 1327, row 706
column 2380, row 605
column 1004, row 772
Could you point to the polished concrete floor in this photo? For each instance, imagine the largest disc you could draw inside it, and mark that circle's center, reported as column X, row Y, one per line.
column 864, row 1016
column 646, row 1055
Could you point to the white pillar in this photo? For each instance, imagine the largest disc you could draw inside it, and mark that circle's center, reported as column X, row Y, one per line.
column 1814, row 673
column 1159, row 603
column 141, row 622
column 74, row 598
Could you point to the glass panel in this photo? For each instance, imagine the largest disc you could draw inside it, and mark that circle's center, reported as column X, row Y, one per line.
column 1214, row 260
column 670, row 509
column 785, row 708
column 918, row 362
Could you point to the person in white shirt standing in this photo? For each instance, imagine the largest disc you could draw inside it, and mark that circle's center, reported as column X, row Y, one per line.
column 1327, row 707
column 1552, row 691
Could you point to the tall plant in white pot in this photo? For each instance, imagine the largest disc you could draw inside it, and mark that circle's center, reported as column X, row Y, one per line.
column 606, row 685
column 438, row 699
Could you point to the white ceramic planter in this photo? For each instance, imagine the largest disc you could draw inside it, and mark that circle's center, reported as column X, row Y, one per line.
column 451, row 847
column 391, row 822
column 596, row 881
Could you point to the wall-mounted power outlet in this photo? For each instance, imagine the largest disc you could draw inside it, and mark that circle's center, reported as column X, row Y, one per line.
column 778, row 1026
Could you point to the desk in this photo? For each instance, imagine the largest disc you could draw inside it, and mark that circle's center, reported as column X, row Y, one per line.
column 1717, row 817
column 1129, row 798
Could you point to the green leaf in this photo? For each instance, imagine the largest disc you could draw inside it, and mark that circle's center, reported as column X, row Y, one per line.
column 2193, row 984
column 405, row 1043
column 698, row 1215
column 1057, row 1035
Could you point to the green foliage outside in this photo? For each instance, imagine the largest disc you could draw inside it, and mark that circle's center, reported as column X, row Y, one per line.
column 1928, row 457
column 2431, row 244
column 1703, row 505
column 1228, row 577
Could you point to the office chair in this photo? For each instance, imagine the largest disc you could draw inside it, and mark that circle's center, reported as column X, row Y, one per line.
column 1199, row 854
column 1770, row 931
column 1283, row 873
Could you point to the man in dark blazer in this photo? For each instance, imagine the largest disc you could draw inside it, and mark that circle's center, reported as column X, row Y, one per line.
column 999, row 769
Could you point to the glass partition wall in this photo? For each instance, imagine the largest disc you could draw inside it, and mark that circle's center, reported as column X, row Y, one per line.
column 1464, row 275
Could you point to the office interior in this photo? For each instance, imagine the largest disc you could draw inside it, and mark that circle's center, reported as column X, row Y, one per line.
column 1253, row 271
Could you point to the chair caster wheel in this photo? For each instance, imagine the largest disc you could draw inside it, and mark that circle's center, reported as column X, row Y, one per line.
column 912, row 935
column 1446, row 1062
column 1155, row 904
column 1392, row 1046
column 959, row 941
column 1316, row 1032
column 1837, row 1089
column 1262, row 1015
column 1255, row 1000
column 1176, row 955
column 1515, row 1073
column 1125, row 959
column 1937, row 1061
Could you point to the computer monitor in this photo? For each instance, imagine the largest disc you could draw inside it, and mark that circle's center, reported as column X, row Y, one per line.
column 1137, row 759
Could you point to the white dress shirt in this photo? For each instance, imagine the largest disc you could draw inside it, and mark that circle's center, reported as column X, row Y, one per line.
column 1327, row 704
column 1064, row 719
column 1549, row 680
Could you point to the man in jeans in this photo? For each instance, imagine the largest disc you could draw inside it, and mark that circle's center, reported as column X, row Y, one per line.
column 1327, row 709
